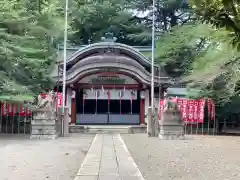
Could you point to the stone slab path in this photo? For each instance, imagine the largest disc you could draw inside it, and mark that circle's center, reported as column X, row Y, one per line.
column 108, row 159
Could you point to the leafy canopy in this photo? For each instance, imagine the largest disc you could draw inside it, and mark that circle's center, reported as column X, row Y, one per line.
column 26, row 46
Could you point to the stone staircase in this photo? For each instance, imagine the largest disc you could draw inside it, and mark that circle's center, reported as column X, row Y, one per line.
column 107, row 129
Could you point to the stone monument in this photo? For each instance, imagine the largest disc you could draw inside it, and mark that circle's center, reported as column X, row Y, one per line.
column 171, row 122
column 44, row 123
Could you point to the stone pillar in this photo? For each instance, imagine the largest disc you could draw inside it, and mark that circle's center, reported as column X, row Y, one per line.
column 43, row 125
column 73, row 108
column 146, row 104
column 156, row 122
column 149, row 123
column 66, row 123
column 142, row 107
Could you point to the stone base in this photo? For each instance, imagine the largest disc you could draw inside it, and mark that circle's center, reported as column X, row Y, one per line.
column 171, row 132
column 43, row 129
column 171, row 137
column 53, row 136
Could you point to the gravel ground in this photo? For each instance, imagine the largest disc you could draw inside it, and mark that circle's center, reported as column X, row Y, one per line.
column 24, row 159
column 203, row 157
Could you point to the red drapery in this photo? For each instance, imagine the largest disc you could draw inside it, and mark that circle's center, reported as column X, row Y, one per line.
column 192, row 110
column 10, row 109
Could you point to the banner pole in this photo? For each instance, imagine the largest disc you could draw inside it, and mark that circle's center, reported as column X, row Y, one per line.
column 214, row 118
column 197, row 129
column 18, row 117
column 6, row 127
column 208, row 125
column 1, row 116
column 83, row 102
column 209, row 112
column 108, row 102
column 197, row 114
column 131, row 101
column 214, row 126
column 120, row 101
column 96, row 94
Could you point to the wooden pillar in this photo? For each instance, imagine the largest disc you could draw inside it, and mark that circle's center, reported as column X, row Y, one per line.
column 73, row 109
column 142, row 111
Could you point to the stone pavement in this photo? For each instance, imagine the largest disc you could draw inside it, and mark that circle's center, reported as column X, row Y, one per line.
column 108, row 159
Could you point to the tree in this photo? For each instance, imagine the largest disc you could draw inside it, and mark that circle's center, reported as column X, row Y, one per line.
column 222, row 14
column 26, row 49
column 91, row 20
column 201, row 55
column 168, row 13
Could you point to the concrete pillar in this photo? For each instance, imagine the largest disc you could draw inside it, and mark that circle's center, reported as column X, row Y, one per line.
column 156, row 123
column 66, row 123
column 149, row 123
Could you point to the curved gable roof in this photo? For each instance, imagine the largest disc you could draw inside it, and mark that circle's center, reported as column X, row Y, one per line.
column 89, row 50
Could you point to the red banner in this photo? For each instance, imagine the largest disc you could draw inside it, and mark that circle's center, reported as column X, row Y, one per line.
column 59, row 100
column 15, row 109
column 201, row 110
column 3, row 108
column 196, row 111
column 185, row 110
column 209, row 106
column 160, row 108
column 192, row 110
column 22, row 110
column 10, row 109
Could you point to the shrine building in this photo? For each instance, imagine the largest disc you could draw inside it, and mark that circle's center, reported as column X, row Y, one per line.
column 109, row 83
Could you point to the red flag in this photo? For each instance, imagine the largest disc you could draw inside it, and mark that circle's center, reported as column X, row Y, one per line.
column 3, row 105
column 7, row 108
column 28, row 111
column 14, row 109
column 190, row 111
column 196, row 111
column 160, row 108
column 10, row 109
column 59, row 100
column 22, row 111
column 201, row 110
column 209, row 106
column 184, row 110
column 180, row 105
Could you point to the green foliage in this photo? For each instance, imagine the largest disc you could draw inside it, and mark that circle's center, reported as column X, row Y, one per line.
column 222, row 14
column 202, row 55
column 26, row 49
column 176, row 49
column 91, row 20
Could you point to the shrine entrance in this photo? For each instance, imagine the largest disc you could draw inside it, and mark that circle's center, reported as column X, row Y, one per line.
column 109, row 83
column 108, row 98
column 108, row 106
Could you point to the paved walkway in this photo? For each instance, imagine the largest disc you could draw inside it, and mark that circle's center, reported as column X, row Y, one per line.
column 108, row 159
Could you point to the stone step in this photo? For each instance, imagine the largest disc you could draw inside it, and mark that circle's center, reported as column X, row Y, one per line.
column 107, row 129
